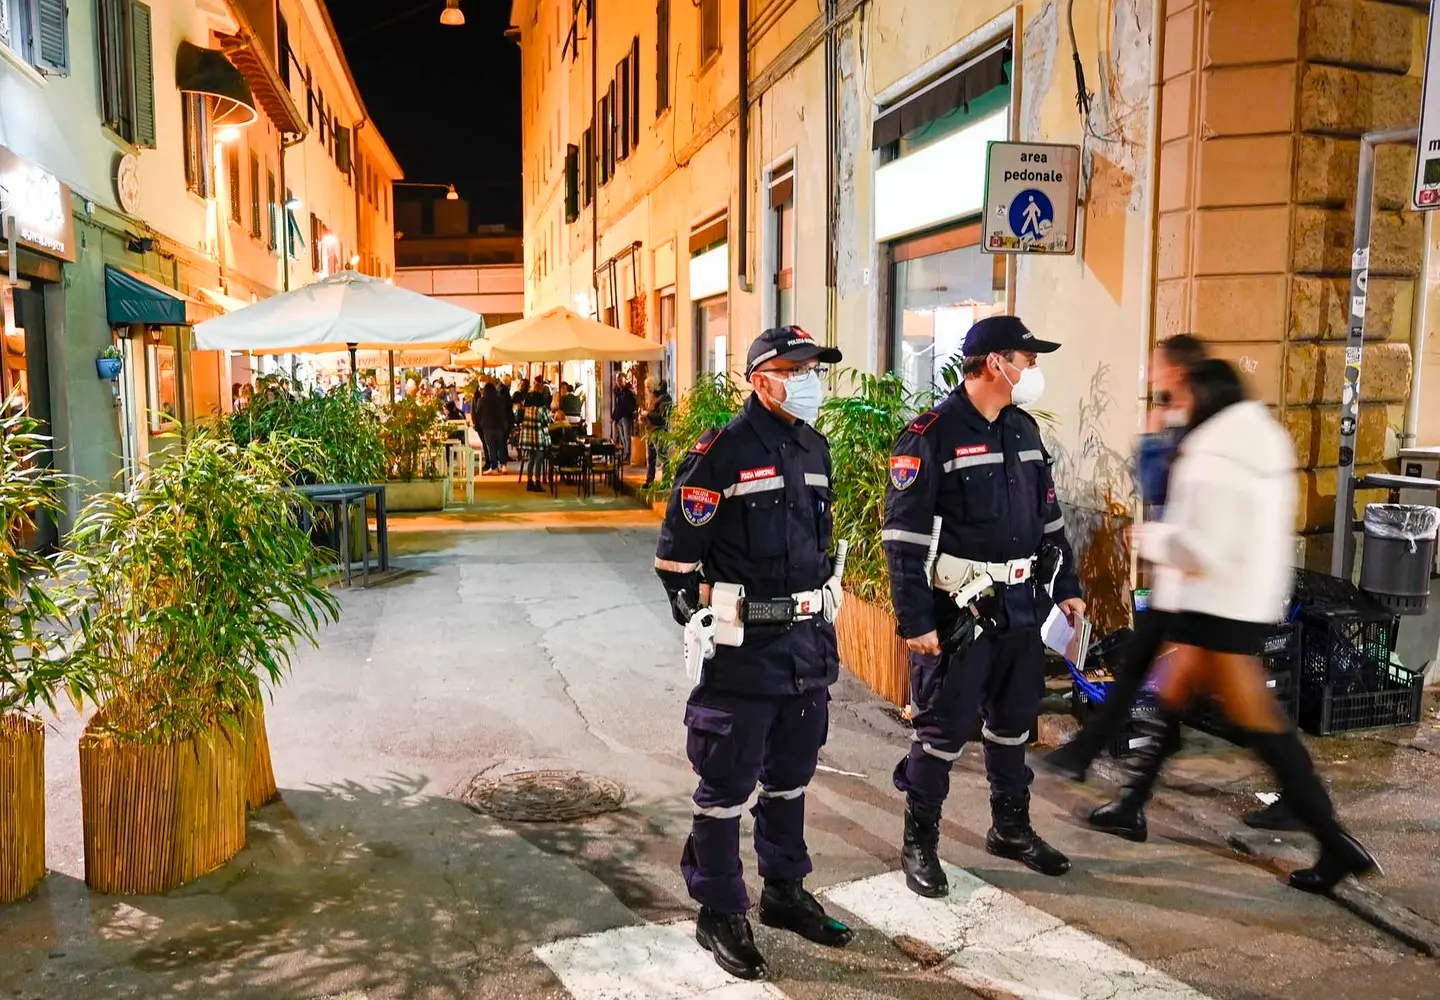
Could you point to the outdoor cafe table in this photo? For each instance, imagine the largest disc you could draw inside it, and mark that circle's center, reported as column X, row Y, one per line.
column 341, row 496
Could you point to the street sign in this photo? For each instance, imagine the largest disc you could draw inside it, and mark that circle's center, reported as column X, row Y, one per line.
column 1427, row 148
column 1032, row 195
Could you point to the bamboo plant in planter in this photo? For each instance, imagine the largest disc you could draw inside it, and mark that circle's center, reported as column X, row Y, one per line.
column 30, row 676
column 710, row 404
column 412, row 431
column 197, row 593
column 862, row 429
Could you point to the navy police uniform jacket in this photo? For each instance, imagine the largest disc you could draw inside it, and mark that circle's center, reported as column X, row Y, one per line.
column 991, row 485
column 752, row 505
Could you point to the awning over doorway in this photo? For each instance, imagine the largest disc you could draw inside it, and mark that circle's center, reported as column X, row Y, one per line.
column 208, row 72
column 135, row 298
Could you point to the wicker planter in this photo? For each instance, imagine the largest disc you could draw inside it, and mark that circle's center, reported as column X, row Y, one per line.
column 872, row 650
column 260, row 787
column 22, row 807
column 158, row 816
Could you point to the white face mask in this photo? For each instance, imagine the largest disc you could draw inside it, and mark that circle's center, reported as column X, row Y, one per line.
column 1174, row 419
column 1028, row 387
column 803, row 395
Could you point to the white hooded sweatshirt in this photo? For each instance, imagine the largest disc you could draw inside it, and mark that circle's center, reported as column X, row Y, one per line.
column 1226, row 546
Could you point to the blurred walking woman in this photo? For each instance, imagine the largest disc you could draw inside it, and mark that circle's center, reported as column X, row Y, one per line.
column 1224, row 555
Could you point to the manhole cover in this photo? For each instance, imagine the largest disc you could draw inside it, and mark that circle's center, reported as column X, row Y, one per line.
column 544, row 796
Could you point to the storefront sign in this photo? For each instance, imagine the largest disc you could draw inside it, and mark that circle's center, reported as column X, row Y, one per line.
column 1032, row 195
column 1427, row 150
column 40, row 205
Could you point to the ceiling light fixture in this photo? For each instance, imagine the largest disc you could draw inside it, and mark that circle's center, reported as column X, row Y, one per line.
column 450, row 194
column 452, row 15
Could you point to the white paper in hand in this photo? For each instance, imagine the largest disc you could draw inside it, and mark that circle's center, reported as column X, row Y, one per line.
column 1070, row 641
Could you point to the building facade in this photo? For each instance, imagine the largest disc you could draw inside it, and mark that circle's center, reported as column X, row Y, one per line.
column 699, row 171
column 165, row 162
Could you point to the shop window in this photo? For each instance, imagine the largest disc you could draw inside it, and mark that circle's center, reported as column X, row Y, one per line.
column 127, row 78
column 232, row 179
column 942, row 284
column 254, row 195
column 712, row 335
column 163, row 397
column 38, row 32
column 782, row 245
column 662, row 57
column 195, row 121
column 710, row 29
column 666, row 319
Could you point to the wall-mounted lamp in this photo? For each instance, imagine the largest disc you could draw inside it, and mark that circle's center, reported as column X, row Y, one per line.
column 452, row 15
column 355, row 260
column 140, row 244
column 228, row 134
column 292, row 203
column 329, row 240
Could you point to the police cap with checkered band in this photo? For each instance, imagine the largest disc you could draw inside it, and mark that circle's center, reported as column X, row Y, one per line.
column 789, row 343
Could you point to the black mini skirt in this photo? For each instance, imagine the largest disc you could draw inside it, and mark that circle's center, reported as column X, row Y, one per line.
column 1222, row 635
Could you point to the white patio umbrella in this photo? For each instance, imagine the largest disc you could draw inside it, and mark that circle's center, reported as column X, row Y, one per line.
column 560, row 335
column 346, row 311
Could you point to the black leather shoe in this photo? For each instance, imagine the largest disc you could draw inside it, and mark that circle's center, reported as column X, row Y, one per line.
column 1067, row 762
column 1276, row 816
column 1123, row 819
column 727, row 936
column 920, row 857
column 787, row 906
column 1013, row 837
column 1344, row 856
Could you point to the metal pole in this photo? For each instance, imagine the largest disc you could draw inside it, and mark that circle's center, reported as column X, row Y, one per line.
column 1419, row 331
column 1342, row 557
column 392, row 376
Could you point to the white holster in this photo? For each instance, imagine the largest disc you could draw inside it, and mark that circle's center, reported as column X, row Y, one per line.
column 728, row 602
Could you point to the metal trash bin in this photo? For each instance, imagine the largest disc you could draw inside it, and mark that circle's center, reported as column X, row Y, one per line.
column 1399, row 551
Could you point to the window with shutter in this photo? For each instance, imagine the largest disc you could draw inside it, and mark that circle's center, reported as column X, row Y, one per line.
column 710, row 29
column 113, row 28
column 232, row 180
column 254, row 195
column 292, row 228
column 140, row 82
column 342, row 149
column 51, row 49
column 572, row 182
column 622, row 111
column 324, row 119
column 662, row 57
column 272, row 209
column 195, row 123
column 634, row 122
column 587, row 149
column 314, row 243
column 282, row 31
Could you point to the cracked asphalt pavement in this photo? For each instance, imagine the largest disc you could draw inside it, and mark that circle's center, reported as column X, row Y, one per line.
column 526, row 646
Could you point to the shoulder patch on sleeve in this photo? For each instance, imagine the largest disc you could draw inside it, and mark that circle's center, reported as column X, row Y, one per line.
column 922, row 423
column 707, row 440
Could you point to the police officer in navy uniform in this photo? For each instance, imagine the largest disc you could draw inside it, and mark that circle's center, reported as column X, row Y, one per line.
column 752, row 506
column 976, row 461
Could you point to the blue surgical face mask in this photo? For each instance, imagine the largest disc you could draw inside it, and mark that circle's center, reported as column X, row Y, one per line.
column 803, row 396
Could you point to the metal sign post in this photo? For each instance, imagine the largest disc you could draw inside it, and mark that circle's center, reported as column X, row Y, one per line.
column 1342, row 558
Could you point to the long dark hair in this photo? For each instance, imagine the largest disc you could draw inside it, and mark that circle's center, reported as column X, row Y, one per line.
column 1214, row 386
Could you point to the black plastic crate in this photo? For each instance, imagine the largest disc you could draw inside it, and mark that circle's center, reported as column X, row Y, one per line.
column 1391, row 697
column 1211, row 719
column 1348, row 653
column 1127, row 738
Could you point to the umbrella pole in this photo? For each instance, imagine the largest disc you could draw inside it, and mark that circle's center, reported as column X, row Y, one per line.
column 392, row 376
column 354, row 375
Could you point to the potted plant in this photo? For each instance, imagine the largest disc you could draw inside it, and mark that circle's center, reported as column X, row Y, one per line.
column 862, row 429
column 412, row 431
column 196, row 592
column 30, row 675
column 109, row 363
column 711, row 403
column 343, row 432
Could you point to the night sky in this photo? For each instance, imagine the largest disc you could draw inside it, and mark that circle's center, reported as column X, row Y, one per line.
column 446, row 100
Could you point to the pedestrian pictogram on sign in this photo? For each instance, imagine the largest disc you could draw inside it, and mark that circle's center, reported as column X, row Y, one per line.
column 1031, row 198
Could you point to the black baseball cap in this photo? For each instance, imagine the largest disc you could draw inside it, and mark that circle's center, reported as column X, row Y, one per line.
column 790, row 343
column 997, row 334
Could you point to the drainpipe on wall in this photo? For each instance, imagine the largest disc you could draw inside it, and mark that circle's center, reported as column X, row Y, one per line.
column 742, row 207
column 356, row 183
column 1152, row 225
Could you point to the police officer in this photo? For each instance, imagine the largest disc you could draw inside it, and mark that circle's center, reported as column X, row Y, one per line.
column 751, row 506
column 976, row 461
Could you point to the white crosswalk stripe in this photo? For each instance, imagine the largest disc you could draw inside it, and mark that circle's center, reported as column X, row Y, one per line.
column 990, row 941
column 994, row 942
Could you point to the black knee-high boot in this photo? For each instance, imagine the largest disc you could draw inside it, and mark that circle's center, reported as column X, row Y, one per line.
column 1301, row 788
column 1125, row 817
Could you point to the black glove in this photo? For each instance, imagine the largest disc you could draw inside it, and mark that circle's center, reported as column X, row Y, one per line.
column 1048, row 563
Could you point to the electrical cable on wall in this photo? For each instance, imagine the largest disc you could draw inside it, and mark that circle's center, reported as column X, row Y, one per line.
column 1083, row 96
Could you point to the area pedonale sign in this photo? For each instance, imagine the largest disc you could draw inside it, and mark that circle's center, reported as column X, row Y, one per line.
column 1032, row 196
column 1427, row 149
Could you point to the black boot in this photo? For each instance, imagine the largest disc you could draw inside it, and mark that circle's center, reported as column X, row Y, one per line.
column 1125, row 817
column 1300, row 787
column 785, row 904
column 727, row 936
column 1013, row 837
column 1276, row 816
column 920, row 856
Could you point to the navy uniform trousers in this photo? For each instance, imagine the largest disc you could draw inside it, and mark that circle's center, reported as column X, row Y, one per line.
column 733, row 742
column 1002, row 679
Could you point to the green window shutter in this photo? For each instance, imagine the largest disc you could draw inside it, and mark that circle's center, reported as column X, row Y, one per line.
column 572, row 182
column 52, row 46
column 143, row 75
column 342, row 148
